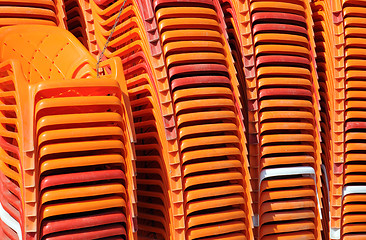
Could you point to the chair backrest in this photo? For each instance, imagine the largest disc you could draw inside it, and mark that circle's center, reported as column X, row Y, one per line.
column 46, row 53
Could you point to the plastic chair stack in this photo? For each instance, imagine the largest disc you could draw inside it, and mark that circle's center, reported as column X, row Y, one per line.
column 242, row 51
column 289, row 197
column 43, row 12
column 11, row 145
column 75, row 21
column 163, row 94
column 234, row 41
column 241, row 23
column 338, row 158
column 215, row 184
column 95, row 204
column 130, row 43
column 330, row 94
column 78, row 166
column 87, row 21
column 354, row 190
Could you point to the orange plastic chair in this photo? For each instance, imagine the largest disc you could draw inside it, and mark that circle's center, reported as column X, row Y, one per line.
column 173, row 12
column 287, row 205
column 286, row 160
column 284, row 49
column 183, row 23
column 287, row 103
column 192, row 46
column 287, row 7
column 291, row 82
column 191, row 35
column 52, row 119
column 286, row 38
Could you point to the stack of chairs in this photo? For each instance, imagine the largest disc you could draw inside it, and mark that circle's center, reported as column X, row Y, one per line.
column 241, row 47
column 354, row 189
column 88, row 24
column 338, row 131
column 168, row 116
column 130, row 43
column 234, row 41
column 238, row 27
column 11, row 147
column 330, row 93
column 74, row 142
column 211, row 136
column 94, row 202
column 75, row 21
column 289, row 197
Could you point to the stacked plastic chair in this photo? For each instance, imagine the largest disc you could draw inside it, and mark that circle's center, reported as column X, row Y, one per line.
column 289, row 166
column 43, row 12
column 211, row 137
column 11, row 142
column 240, row 13
column 88, row 24
column 234, row 40
column 331, row 100
column 338, row 130
column 67, row 137
column 130, row 43
column 354, row 189
column 239, row 32
column 75, row 21
column 168, row 116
